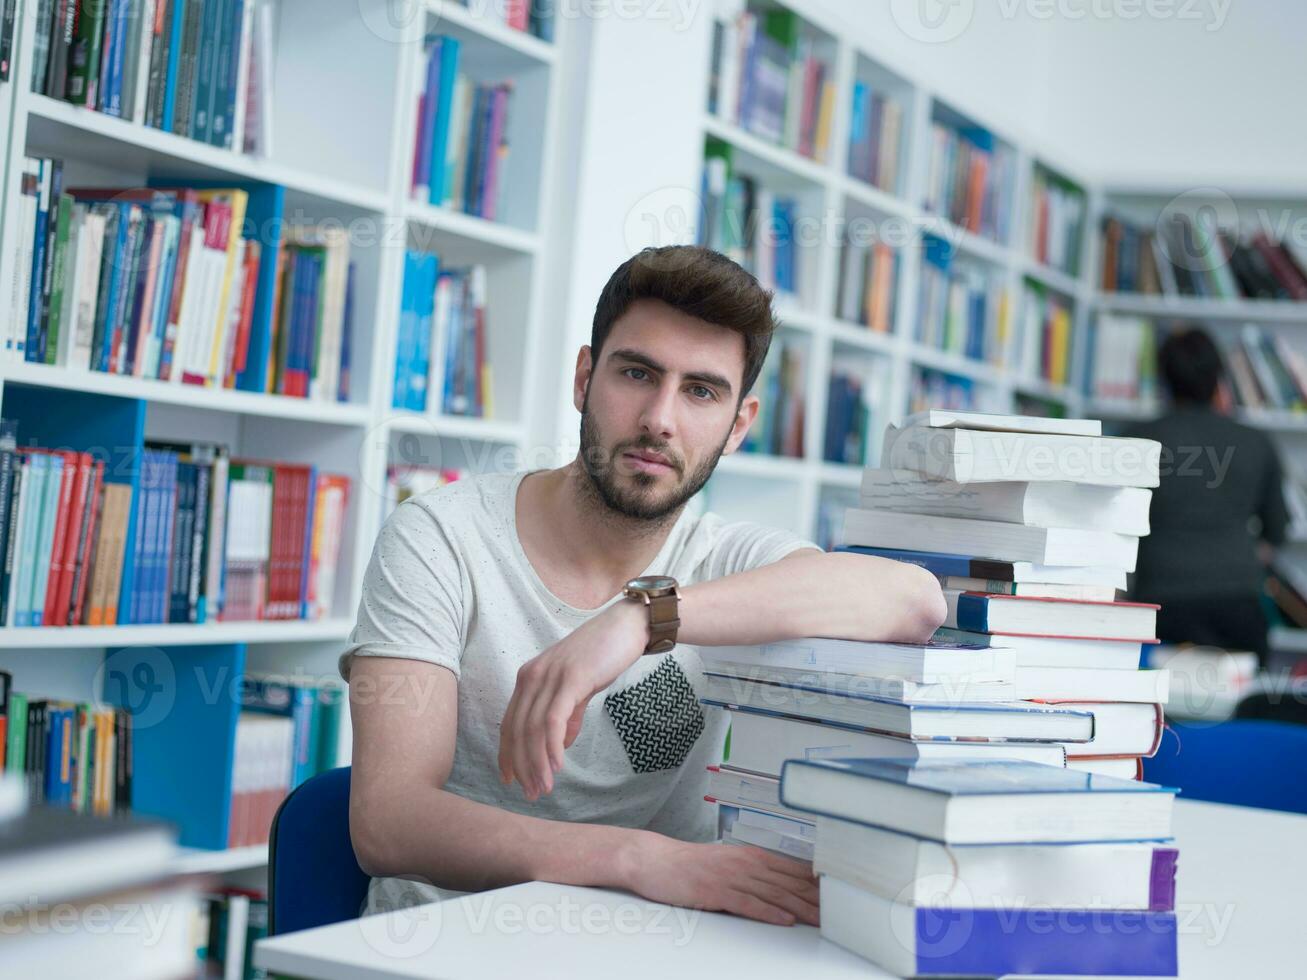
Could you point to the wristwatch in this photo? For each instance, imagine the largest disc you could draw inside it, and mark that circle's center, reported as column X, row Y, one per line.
column 660, row 596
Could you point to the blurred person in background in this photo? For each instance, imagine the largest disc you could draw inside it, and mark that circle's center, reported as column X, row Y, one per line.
column 1218, row 512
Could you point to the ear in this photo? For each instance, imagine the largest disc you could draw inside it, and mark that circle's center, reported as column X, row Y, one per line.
column 744, row 417
column 581, row 377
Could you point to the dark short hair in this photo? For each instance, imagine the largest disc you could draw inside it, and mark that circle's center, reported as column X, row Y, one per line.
column 699, row 282
column 1191, row 364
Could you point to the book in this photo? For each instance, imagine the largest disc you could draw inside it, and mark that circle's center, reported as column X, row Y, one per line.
column 977, row 456
column 1121, row 730
column 923, row 873
column 1091, row 684
column 941, row 563
column 929, row 942
column 930, row 663
column 990, row 720
column 1004, row 542
column 1041, row 651
column 1064, row 618
column 761, row 741
column 1042, row 590
column 979, row 803
column 1123, row 510
column 944, row 691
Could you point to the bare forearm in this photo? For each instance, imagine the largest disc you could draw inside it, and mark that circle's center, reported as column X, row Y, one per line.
column 436, row 836
column 849, row 596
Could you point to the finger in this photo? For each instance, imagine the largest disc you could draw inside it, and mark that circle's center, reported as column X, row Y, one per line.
column 522, row 743
column 574, row 723
column 506, row 734
column 809, row 890
column 537, row 736
column 752, row 907
column 787, row 865
column 784, row 898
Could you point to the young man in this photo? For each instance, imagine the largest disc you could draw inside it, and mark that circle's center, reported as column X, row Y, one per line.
column 505, row 620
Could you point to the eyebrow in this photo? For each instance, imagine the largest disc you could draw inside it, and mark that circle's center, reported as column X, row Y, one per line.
column 636, row 357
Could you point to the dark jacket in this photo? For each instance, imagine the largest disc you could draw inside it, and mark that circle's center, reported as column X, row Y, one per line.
column 1221, row 490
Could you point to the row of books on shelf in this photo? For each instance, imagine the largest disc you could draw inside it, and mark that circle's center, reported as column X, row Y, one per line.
column 73, row 754
column 1005, row 753
column 197, row 68
column 767, row 76
column 748, row 222
column 930, row 388
column 855, row 412
column 1267, row 371
column 287, row 731
column 404, row 481
column 1057, row 217
column 961, row 308
column 778, row 430
column 868, row 284
column 228, row 921
column 1185, row 255
column 534, row 17
column 1123, row 359
column 875, row 137
column 160, row 283
column 460, row 149
column 970, row 180
column 1044, row 335
column 442, row 339
column 196, row 537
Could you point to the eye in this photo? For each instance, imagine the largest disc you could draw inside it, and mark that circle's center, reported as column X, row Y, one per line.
column 707, row 393
column 640, row 371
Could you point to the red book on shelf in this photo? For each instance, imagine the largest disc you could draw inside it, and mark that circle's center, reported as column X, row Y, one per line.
column 58, row 597
column 217, row 239
column 84, row 564
column 54, row 573
column 289, row 510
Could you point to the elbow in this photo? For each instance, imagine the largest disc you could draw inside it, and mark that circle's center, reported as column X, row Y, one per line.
column 373, row 844
column 923, row 609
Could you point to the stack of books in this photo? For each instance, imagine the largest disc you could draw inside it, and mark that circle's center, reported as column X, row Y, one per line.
column 990, row 868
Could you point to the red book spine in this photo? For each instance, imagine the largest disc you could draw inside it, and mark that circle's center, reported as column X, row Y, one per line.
column 57, row 605
column 54, row 574
column 240, row 351
column 217, row 232
column 85, row 565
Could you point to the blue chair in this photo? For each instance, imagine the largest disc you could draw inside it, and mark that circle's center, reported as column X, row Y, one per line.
column 313, row 877
column 1244, row 761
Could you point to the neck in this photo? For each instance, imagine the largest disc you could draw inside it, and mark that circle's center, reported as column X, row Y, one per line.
column 563, row 507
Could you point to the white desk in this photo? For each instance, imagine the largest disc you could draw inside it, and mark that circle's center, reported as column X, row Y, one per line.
column 1239, row 914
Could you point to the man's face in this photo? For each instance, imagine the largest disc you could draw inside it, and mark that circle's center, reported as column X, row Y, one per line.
column 659, row 408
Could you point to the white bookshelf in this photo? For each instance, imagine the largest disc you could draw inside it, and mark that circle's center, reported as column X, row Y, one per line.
column 346, row 77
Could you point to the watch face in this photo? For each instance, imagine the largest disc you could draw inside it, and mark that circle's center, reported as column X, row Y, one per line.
column 651, row 583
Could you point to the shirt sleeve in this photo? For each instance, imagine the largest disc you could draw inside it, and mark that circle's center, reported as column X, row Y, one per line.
column 740, row 546
column 413, row 598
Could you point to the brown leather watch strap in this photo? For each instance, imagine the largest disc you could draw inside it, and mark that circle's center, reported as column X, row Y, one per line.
column 664, row 621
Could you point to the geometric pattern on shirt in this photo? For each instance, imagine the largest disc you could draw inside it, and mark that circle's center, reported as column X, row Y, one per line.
column 659, row 718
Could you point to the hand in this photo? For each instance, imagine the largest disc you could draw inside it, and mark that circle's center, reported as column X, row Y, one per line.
column 739, row 879
column 544, row 714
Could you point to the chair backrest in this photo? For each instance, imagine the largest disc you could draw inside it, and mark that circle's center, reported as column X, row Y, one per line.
column 313, row 877
column 1244, row 761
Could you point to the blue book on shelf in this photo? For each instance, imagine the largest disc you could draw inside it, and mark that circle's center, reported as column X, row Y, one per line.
column 296, row 701
column 114, row 285
column 29, row 535
column 405, row 332
column 113, row 89
column 133, row 555
column 61, row 739
column 453, row 337
column 447, row 52
column 202, row 111
column 346, row 341
column 45, row 547
column 167, row 528
column 978, row 137
column 43, row 205
column 428, row 270
column 175, row 31
column 428, row 119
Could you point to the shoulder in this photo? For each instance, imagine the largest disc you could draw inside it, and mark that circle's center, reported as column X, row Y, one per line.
column 470, row 497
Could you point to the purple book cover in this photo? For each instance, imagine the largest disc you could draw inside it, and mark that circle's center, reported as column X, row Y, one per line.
column 498, row 117
column 427, row 105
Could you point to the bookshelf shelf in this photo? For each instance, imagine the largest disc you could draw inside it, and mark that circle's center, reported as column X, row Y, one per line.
column 1120, row 409
column 763, row 465
column 472, row 230
column 855, row 335
column 792, row 318
column 951, row 363
column 59, row 129
column 192, row 860
column 512, row 45
column 453, row 426
column 968, row 242
column 776, row 165
column 1274, row 421
column 1197, row 308
column 841, row 475
column 173, row 634
column 1064, row 394
column 1052, row 278
column 877, row 199
column 192, row 396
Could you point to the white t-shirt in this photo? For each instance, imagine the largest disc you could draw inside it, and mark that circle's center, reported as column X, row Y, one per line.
column 449, row 583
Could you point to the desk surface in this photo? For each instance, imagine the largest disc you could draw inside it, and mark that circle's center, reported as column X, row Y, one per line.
column 1239, row 914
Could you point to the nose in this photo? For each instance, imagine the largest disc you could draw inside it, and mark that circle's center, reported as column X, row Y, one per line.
column 658, row 413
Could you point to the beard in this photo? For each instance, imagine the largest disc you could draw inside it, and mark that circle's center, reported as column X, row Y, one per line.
column 642, row 501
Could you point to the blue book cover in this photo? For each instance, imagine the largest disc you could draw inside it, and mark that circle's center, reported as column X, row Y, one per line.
column 175, row 31
column 429, row 117
column 406, row 332
column 164, row 537
column 29, row 536
column 113, row 88
column 312, row 292
column 128, row 603
column 106, row 311
column 45, row 538
column 425, row 301
column 346, row 338
column 453, row 337
column 224, row 84
column 210, row 29
column 449, row 54
column 34, row 352
column 971, row 778
column 60, row 745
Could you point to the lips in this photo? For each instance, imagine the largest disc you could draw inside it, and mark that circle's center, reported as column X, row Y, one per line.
column 647, row 461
